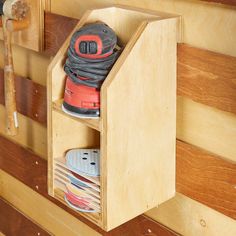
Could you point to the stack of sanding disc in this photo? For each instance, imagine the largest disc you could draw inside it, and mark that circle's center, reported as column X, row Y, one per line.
column 82, row 192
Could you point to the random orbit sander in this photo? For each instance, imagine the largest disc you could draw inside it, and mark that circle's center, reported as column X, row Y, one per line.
column 92, row 52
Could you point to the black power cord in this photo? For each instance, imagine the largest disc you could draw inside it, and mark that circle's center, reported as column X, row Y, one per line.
column 91, row 71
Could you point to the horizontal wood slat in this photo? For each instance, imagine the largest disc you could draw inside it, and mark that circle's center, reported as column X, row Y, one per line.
column 31, row 98
column 57, row 29
column 13, row 223
column 207, row 77
column 201, row 175
column 206, row 178
column 32, row 171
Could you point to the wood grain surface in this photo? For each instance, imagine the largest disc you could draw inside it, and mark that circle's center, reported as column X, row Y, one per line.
column 206, row 178
column 201, row 175
column 32, row 171
column 207, row 77
column 57, row 29
column 13, row 223
column 226, row 2
column 30, row 98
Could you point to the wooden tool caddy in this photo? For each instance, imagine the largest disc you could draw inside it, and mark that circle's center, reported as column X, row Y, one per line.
column 136, row 132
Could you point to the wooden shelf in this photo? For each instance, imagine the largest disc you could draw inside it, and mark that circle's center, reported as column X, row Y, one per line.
column 136, row 133
column 92, row 123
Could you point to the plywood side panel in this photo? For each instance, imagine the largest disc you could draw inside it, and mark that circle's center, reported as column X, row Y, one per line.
column 136, row 126
column 204, row 25
column 191, row 218
column 207, row 128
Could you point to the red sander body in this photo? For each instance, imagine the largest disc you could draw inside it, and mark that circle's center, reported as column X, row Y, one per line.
column 91, row 55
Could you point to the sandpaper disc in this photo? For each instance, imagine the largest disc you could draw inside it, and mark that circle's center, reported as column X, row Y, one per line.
column 84, row 161
column 80, row 207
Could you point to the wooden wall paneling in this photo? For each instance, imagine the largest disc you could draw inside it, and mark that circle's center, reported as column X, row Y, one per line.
column 28, row 64
column 57, row 29
column 209, row 35
column 207, row 77
column 59, row 222
column 201, row 175
column 32, row 135
column 189, row 217
column 206, row 178
column 30, row 98
column 56, row 220
column 13, row 223
column 206, row 127
column 32, row 37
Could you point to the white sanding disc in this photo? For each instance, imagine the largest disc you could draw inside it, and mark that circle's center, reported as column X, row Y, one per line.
column 82, row 116
column 84, row 161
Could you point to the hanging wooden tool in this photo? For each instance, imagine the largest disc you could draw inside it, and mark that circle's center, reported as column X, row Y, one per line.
column 13, row 12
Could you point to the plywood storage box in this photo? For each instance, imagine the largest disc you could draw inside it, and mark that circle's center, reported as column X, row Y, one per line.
column 136, row 132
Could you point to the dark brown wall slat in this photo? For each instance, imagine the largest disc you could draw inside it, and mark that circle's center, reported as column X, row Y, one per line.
column 207, row 77
column 13, row 223
column 31, row 98
column 57, row 28
column 206, row 178
column 32, row 171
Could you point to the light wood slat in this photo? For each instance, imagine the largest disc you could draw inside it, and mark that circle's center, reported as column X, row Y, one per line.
column 192, row 218
column 207, row 128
